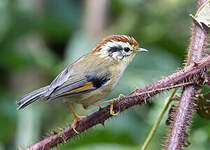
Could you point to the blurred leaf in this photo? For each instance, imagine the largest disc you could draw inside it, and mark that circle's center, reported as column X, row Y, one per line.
column 204, row 106
column 69, row 11
column 163, row 27
column 11, row 59
column 100, row 136
column 7, row 116
column 54, row 29
column 104, row 146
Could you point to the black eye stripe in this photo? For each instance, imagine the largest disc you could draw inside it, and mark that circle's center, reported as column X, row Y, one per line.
column 115, row 49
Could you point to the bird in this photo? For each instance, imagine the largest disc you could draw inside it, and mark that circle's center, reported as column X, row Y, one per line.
column 91, row 78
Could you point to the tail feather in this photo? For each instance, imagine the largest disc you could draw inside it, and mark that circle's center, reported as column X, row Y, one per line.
column 31, row 97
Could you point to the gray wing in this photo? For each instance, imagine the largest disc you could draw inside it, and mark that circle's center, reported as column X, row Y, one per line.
column 60, row 79
column 70, row 83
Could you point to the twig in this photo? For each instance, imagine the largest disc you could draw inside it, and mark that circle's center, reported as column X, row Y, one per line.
column 157, row 123
column 177, row 137
column 186, row 76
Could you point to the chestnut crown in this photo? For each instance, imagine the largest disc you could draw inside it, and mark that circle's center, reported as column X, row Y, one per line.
column 118, row 47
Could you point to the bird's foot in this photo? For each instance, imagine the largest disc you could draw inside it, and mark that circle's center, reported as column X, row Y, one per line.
column 77, row 118
column 111, row 103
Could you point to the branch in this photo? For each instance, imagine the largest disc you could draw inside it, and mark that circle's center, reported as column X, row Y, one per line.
column 177, row 137
column 187, row 76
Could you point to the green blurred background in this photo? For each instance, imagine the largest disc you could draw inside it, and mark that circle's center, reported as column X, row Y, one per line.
column 38, row 38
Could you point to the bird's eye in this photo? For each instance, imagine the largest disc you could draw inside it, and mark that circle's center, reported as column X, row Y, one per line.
column 126, row 49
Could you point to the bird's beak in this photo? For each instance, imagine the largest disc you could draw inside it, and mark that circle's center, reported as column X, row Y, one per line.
column 140, row 50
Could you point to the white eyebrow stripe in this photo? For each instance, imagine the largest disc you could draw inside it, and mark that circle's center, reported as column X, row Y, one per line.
column 122, row 44
column 105, row 48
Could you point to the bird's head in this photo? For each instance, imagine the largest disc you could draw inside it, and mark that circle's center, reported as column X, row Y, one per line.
column 119, row 48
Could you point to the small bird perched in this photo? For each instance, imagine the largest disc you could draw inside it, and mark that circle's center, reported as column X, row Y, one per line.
column 92, row 77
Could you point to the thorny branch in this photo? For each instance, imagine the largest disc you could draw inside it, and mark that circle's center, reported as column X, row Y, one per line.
column 181, row 118
column 187, row 76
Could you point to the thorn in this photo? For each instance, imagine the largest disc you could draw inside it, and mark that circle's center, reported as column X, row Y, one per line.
column 195, row 64
column 176, row 98
column 197, row 95
column 99, row 108
column 205, row 77
column 63, row 136
column 120, row 96
column 136, row 87
column 103, row 123
column 53, row 132
column 168, row 122
column 170, row 117
column 135, row 93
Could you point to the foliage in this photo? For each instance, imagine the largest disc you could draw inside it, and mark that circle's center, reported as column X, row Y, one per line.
column 38, row 38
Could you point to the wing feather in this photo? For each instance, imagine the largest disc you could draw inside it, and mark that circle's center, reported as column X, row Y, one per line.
column 74, row 81
column 85, row 87
column 87, row 84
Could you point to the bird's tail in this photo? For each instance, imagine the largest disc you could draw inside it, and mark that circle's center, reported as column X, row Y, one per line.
column 32, row 97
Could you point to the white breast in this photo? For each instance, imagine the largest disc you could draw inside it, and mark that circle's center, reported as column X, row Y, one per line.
column 122, row 69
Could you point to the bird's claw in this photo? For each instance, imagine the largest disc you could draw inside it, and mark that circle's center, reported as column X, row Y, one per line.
column 76, row 119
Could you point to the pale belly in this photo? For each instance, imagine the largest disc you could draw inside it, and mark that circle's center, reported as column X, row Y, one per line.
column 92, row 97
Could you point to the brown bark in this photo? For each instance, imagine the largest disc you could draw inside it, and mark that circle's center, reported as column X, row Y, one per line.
column 187, row 76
